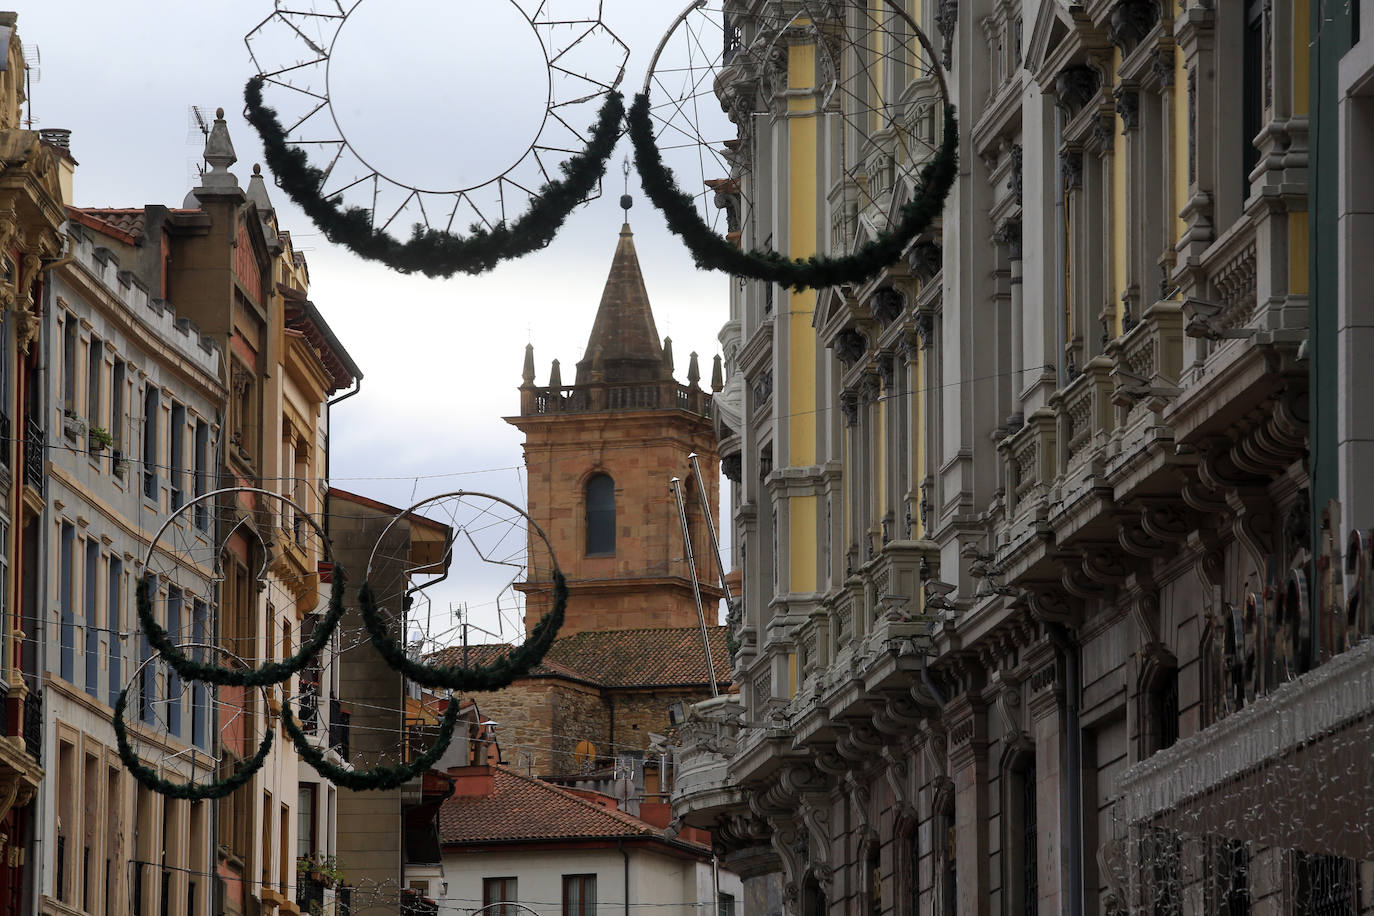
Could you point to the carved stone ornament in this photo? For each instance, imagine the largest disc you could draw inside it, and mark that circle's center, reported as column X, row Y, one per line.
column 763, row 387
column 1071, row 168
column 926, row 259
column 731, row 467
column 1128, row 106
column 1075, row 85
column 910, row 344
column 1131, row 21
column 1103, row 133
column 1009, row 234
column 946, row 19
column 849, row 407
column 1014, row 182
column 872, row 388
column 887, row 304
column 1162, row 66
column 850, row 345
column 887, row 370
column 925, row 330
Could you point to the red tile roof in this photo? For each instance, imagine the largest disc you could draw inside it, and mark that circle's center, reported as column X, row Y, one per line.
column 668, row 657
column 126, row 225
column 521, row 808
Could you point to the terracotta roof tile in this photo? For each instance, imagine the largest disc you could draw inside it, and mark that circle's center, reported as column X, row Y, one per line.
column 523, row 808
column 665, row 657
column 124, row 224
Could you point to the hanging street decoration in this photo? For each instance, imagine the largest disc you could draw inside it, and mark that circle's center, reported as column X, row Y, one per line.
column 322, row 160
column 891, row 161
column 175, row 690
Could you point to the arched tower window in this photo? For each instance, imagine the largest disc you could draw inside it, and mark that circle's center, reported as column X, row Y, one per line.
column 600, row 515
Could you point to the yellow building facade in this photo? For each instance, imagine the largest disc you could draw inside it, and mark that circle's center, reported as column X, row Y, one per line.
column 1028, row 513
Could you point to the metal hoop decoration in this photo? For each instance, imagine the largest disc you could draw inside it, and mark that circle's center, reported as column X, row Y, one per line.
column 149, row 778
column 433, row 249
column 711, row 250
column 382, row 777
column 270, row 673
column 517, row 663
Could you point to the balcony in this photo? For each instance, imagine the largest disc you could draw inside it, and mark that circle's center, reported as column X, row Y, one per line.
column 338, row 728
column 1030, row 464
column 1086, row 418
column 33, row 454
column 1148, row 371
column 709, row 738
column 595, row 396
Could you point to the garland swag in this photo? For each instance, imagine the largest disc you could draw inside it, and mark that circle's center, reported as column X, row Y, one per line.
column 270, row 673
column 498, row 674
column 147, row 776
column 383, row 777
column 430, row 251
column 711, row 251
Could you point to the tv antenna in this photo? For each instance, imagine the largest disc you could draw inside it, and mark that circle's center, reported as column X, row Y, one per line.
column 33, row 73
column 197, row 123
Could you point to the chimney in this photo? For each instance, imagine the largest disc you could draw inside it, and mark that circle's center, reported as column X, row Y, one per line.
column 472, row 782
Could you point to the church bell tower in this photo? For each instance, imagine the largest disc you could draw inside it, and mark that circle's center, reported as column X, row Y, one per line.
column 599, row 455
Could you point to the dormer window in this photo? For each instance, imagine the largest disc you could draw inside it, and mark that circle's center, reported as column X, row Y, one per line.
column 600, row 516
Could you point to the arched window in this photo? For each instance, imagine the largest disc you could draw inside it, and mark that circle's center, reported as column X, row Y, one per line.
column 600, row 515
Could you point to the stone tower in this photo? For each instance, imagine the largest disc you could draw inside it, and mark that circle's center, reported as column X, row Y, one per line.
column 599, row 455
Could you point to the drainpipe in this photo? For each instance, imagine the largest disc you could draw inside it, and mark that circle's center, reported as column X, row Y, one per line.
column 1073, row 751
column 1061, row 332
column 620, row 845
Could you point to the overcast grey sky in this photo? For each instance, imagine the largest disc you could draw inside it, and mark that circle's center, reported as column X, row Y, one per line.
column 441, row 358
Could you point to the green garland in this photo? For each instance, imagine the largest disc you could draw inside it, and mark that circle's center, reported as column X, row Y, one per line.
column 430, row 251
column 498, row 674
column 383, row 777
column 270, row 673
column 148, row 777
column 711, row 251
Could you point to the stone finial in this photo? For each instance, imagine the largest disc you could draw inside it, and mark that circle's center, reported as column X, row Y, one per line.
column 219, row 155
column 717, row 375
column 527, row 372
column 555, row 375
column 257, row 193
column 668, row 356
column 693, row 370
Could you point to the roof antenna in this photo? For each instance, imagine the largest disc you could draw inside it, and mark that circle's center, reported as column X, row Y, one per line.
column 33, row 72
column 626, row 201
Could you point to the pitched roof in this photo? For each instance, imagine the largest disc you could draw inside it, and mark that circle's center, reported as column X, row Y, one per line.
column 523, row 808
column 124, row 224
column 667, row 657
column 624, row 344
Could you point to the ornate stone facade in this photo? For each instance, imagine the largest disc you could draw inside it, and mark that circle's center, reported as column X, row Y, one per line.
column 1074, row 531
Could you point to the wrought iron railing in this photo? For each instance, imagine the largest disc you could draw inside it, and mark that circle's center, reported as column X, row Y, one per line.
column 338, row 728
column 33, row 454
column 33, row 725
column 309, row 893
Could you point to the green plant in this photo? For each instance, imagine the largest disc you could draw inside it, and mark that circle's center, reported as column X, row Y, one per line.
column 98, row 438
column 324, row 869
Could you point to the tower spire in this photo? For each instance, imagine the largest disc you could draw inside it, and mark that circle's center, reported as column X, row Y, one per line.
column 624, row 339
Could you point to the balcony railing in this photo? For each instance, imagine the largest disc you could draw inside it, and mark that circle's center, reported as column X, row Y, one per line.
column 1086, row 415
column 665, row 395
column 1149, row 361
column 33, row 725
column 33, row 454
column 338, row 728
column 1030, row 462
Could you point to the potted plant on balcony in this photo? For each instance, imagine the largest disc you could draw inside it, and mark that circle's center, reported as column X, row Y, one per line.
column 323, row 870
column 98, row 438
